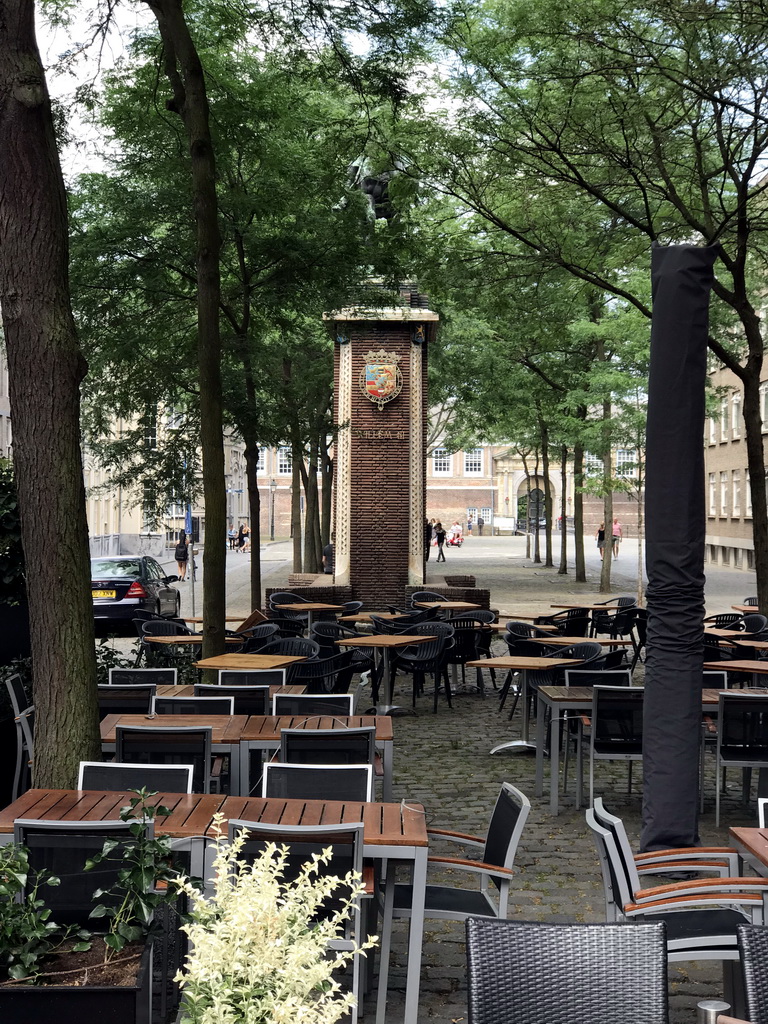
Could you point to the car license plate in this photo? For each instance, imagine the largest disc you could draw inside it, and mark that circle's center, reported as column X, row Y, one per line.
column 103, row 593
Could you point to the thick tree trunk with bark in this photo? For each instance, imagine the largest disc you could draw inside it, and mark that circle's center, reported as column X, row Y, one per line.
column 297, row 456
column 548, row 561
column 190, row 102
column 46, row 367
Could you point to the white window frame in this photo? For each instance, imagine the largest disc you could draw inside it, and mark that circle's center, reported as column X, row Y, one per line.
column 736, row 414
column 472, row 512
column 473, row 457
column 441, row 462
column 261, row 465
column 724, row 419
column 593, row 466
column 712, row 495
column 487, row 515
column 626, row 457
column 764, row 405
column 736, row 492
column 284, row 461
column 723, row 493
column 712, row 430
column 747, row 496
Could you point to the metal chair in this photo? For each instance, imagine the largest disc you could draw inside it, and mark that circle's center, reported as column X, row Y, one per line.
column 246, row 700
column 19, row 703
column 325, row 675
column 62, row 848
column 114, row 777
column 616, row 728
column 25, row 750
column 530, row 972
column 494, row 870
column 328, row 746
column 742, row 738
column 142, row 676
column 723, row 620
column 135, row 699
column 144, row 744
column 425, row 595
column 312, row 704
column 318, row 781
column 570, row 622
column 218, row 705
column 430, row 657
column 252, row 677
column 160, row 627
column 698, row 928
column 287, row 626
column 288, row 646
column 304, row 841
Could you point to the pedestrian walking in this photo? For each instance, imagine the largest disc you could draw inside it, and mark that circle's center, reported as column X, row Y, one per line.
column 427, row 538
column 600, row 537
column 181, row 554
column 440, row 535
column 240, row 539
column 618, row 533
column 480, row 525
column 469, row 526
column 232, row 534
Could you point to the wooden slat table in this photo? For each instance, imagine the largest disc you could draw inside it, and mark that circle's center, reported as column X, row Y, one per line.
column 263, row 733
column 226, row 731
column 166, row 690
column 523, row 665
column 454, row 606
column 756, row 668
column 569, row 641
column 752, row 844
column 589, row 605
column 309, row 607
column 249, row 661
column 390, row 832
column 385, row 642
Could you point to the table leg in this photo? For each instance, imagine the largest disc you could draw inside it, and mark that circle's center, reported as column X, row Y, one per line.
column 387, row 756
column 554, row 753
column 416, row 936
column 387, row 686
column 523, row 745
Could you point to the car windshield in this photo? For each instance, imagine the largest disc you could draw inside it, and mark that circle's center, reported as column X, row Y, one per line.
column 114, row 567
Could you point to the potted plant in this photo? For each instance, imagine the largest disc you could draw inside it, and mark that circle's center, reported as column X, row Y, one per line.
column 49, row 970
column 258, row 949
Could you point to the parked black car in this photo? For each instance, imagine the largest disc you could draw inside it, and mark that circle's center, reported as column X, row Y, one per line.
column 120, row 585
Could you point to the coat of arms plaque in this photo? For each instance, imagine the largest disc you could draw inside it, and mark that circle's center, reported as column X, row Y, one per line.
column 381, row 378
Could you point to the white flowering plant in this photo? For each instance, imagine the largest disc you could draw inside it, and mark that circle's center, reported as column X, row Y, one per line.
column 258, row 947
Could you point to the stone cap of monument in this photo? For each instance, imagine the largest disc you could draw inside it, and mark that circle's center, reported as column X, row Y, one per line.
column 398, row 313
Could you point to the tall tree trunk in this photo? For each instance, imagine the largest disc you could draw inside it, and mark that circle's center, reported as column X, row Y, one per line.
column 544, row 429
column 605, row 569
column 254, row 508
column 756, row 465
column 563, row 569
column 578, row 512
column 45, row 367
column 311, row 511
column 297, row 462
column 190, row 102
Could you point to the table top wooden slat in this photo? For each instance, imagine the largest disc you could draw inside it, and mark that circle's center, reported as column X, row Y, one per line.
column 565, row 694
column 249, row 661
column 192, row 814
column 188, row 641
column 224, row 728
column 450, row 605
column 166, row 690
column 589, row 605
column 384, row 640
column 746, row 609
column 524, row 663
column 312, row 606
column 366, row 616
column 267, row 728
column 568, row 641
column 754, row 840
column 744, row 665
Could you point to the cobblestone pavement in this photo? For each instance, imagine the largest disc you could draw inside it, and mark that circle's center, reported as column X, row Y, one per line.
column 442, row 760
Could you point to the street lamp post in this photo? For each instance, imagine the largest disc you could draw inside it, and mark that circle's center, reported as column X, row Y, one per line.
column 272, row 489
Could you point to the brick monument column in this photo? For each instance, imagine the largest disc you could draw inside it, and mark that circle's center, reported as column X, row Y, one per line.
column 380, row 408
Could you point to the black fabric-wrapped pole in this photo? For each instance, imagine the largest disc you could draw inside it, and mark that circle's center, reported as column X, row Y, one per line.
column 675, row 532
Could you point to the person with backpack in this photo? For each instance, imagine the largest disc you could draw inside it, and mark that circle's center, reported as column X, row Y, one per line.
column 181, row 554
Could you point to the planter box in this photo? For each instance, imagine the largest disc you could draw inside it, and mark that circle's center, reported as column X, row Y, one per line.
column 38, row 1004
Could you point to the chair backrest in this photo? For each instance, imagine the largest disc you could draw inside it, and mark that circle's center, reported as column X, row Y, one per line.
column 218, row 705
column 352, row 607
column 286, row 597
column 126, row 700
column 289, row 645
column 327, row 633
column 162, row 627
column 598, row 677
column 753, row 953
column 752, row 601
column 325, row 675
column 143, row 744
column 586, row 652
column 109, row 775
column 260, row 635
column 288, row 627
column 713, row 680
column 504, row 830
column 312, row 704
column 612, row 973
column 303, row 842
column 478, row 615
column 17, row 694
column 252, row 677
column 526, row 629
column 722, row 620
column 246, row 700
column 615, row 826
column 328, row 746
column 754, row 623
column 26, row 720
column 617, row 721
column 617, row 885
column 62, row 848
column 426, row 595
column 142, row 676
column 318, row 781
column 742, row 729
